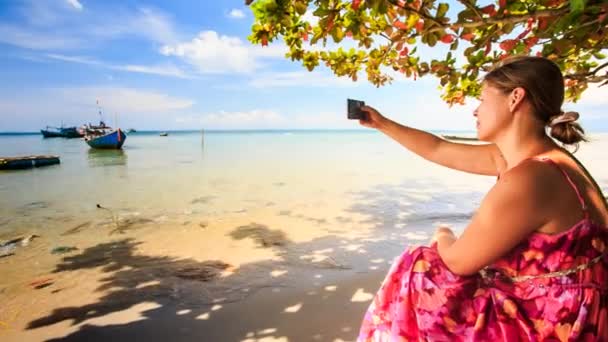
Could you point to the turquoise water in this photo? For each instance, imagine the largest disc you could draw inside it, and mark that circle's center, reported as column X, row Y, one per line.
column 188, row 173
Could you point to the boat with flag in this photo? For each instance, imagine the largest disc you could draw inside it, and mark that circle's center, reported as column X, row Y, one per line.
column 103, row 136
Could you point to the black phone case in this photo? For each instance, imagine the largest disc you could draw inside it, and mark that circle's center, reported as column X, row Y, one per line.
column 354, row 109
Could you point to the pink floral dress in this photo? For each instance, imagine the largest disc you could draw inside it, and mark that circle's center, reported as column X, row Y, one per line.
column 548, row 288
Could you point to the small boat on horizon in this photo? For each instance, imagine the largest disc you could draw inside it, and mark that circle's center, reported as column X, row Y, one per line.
column 164, row 134
column 62, row 132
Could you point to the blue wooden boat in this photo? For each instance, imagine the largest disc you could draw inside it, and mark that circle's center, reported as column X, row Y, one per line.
column 26, row 162
column 105, row 138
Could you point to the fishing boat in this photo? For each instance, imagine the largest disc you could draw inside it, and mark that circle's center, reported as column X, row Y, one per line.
column 164, row 134
column 62, row 132
column 26, row 162
column 104, row 137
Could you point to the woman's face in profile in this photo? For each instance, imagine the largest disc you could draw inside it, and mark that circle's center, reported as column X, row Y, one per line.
column 492, row 113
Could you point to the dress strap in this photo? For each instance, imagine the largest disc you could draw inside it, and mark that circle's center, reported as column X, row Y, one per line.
column 578, row 193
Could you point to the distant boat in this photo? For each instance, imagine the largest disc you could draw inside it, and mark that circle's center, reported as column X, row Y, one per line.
column 163, row 134
column 26, row 162
column 61, row 132
column 102, row 136
column 131, row 130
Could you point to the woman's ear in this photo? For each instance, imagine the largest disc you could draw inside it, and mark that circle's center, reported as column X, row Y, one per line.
column 516, row 98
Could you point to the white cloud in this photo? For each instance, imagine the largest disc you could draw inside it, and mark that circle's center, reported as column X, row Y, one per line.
column 154, row 25
column 125, row 100
column 46, row 25
column 77, row 5
column 253, row 119
column 37, row 39
column 236, row 14
column 161, row 70
column 301, row 79
column 594, row 96
column 74, row 106
column 268, row 119
column 210, row 52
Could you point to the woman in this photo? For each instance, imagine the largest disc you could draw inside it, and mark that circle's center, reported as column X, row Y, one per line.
column 532, row 264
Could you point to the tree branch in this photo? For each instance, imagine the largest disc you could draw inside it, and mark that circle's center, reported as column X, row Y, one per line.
column 513, row 19
column 420, row 14
column 591, row 75
column 471, row 7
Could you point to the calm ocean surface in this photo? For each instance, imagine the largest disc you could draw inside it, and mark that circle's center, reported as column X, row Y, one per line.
column 188, row 173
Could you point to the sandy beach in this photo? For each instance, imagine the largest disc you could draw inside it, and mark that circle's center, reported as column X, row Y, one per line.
column 265, row 246
column 250, row 282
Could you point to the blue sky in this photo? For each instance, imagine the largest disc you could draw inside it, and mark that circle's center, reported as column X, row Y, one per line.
column 188, row 65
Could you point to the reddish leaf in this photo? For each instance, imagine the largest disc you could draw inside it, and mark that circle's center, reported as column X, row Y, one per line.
column 529, row 24
column 348, row 34
column 523, row 34
column 490, row 9
column 448, row 38
column 542, row 23
column 305, row 36
column 404, row 51
column 400, row 25
column 264, row 40
column 539, row 54
column 355, row 4
column 531, row 41
column 420, row 25
column 468, row 36
column 502, row 3
column 488, row 48
column 330, row 23
column 508, row 44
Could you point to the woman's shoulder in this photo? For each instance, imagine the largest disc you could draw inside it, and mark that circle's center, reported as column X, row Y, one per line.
column 530, row 174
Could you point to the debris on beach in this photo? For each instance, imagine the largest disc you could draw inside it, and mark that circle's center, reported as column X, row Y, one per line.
column 41, row 283
column 8, row 250
column 8, row 247
column 22, row 240
column 121, row 225
column 208, row 271
column 77, row 228
column 261, row 234
column 203, row 224
column 202, row 200
column 63, row 249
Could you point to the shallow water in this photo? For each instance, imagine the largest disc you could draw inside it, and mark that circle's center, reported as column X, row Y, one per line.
column 190, row 174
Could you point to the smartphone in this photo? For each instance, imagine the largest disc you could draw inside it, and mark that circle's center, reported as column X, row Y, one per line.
column 354, row 109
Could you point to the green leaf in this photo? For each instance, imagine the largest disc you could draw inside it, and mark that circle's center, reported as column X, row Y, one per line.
column 337, row 34
column 577, row 6
column 442, row 9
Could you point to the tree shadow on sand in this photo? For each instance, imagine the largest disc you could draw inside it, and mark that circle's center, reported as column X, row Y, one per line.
column 305, row 295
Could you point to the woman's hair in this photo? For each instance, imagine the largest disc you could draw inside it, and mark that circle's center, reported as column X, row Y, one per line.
column 544, row 84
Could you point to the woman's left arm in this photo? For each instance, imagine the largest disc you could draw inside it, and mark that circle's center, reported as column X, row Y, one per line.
column 509, row 213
